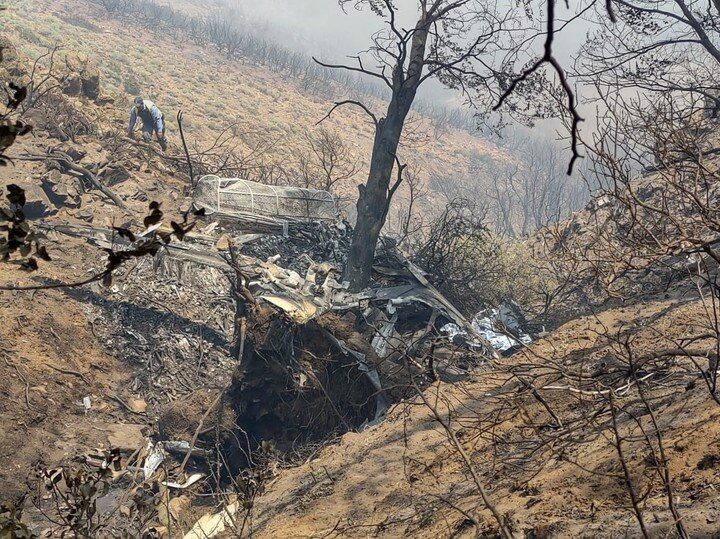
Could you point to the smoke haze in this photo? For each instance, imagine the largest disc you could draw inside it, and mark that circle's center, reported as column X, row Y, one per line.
column 323, row 29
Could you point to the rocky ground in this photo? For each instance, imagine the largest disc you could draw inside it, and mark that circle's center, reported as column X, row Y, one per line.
column 100, row 367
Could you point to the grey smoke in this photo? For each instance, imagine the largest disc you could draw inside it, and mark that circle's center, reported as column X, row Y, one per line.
column 321, row 28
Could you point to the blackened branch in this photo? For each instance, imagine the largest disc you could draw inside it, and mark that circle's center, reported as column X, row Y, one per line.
column 359, row 69
column 187, row 153
column 610, row 11
column 549, row 58
column 349, row 102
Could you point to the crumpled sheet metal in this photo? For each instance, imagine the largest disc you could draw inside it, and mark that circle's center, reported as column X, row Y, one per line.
column 428, row 295
column 155, row 457
column 299, row 297
column 488, row 324
column 300, row 311
column 382, row 403
column 485, row 321
column 302, row 299
column 385, row 331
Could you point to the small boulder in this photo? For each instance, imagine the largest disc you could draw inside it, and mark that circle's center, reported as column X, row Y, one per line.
column 37, row 205
column 8, row 52
column 115, row 174
column 75, row 153
column 91, row 83
column 83, row 77
column 72, row 85
column 62, row 190
column 85, row 214
column 126, row 436
column 139, row 406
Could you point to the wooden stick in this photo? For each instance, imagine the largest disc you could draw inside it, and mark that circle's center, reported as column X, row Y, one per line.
column 69, row 371
column 187, row 153
column 198, row 429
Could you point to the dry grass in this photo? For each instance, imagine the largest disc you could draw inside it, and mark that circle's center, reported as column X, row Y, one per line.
column 215, row 93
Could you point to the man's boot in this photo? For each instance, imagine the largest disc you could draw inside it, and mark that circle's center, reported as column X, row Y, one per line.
column 163, row 144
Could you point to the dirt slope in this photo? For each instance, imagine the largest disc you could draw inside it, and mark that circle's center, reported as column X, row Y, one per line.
column 400, row 477
column 266, row 107
column 51, row 360
column 403, row 478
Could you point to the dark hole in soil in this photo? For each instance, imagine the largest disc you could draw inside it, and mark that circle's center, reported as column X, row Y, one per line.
column 296, row 386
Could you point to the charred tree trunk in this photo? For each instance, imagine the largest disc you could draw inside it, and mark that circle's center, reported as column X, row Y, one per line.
column 375, row 196
column 374, row 200
column 244, row 304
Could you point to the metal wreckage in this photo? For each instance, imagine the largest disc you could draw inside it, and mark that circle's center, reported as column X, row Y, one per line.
column 313, row 357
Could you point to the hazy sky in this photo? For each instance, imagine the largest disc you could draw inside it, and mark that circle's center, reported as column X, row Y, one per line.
column 321, row 28
column 322, row 25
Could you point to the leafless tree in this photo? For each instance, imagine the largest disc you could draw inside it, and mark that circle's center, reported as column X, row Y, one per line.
column 451, row 40
column 328, row 165
column 535, row 192
column 656, row 46
column 410, row 222
column 651, row 222
column 460, row 254
column 43, row 79
column 504, row 201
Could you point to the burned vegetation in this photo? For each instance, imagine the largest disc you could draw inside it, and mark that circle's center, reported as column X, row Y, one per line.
column 200, row 341
column 242, row 337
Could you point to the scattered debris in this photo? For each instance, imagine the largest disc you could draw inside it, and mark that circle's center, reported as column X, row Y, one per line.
column 67, row 164
column 155, row 455
column 317, row 359
column 500, row 327
column 190, row 481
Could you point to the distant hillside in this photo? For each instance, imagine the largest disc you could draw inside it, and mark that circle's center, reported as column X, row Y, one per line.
column 267, row 108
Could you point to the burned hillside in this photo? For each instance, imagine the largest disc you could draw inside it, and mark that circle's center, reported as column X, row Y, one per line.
column 245, row 294
column 239, row 336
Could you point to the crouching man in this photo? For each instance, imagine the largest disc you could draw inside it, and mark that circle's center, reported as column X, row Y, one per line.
column 152, row 121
